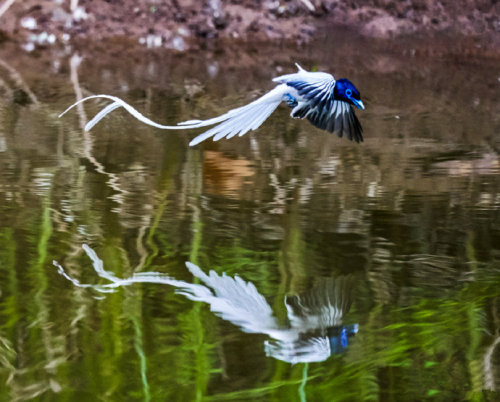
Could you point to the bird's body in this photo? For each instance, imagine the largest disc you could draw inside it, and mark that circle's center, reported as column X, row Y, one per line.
column 327, row 103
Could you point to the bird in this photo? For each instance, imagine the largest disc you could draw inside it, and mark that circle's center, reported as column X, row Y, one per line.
column 317, row 96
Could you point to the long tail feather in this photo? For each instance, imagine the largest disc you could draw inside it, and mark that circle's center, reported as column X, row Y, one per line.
column 97, row 118
column 117, row 102
column 236, row 121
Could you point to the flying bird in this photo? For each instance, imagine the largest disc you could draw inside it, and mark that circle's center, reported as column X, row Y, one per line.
column 327, row 103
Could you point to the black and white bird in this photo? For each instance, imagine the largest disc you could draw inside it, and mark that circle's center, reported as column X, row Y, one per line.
column 327, row 103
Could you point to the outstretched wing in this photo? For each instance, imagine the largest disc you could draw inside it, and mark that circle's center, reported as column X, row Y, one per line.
column 238, row 121
column 316, row 102
column 339, row 118
column 314, row 88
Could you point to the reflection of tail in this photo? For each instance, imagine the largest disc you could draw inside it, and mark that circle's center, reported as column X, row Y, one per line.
column 237, row 121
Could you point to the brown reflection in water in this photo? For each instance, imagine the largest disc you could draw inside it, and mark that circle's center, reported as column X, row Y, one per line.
column 225, row 176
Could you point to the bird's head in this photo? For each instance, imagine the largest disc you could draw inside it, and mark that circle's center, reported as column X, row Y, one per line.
column 346, row 91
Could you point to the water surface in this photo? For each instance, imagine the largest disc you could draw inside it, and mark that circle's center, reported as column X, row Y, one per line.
column 409, row 218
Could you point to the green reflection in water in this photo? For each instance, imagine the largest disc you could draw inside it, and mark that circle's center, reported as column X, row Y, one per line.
column 412, row 214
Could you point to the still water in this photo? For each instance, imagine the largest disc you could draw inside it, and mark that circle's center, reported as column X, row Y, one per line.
column 367, row 271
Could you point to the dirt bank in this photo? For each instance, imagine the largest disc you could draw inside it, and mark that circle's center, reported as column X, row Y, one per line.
column 182, row 24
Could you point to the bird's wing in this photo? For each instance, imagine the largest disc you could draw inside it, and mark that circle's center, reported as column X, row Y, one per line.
column 316, row 103
column 240, row 120
column 339, row 117
column 313, row 78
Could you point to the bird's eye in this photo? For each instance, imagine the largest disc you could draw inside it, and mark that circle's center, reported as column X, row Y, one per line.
column 348, row 92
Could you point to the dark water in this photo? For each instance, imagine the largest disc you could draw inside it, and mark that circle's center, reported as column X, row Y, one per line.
column 397, row 239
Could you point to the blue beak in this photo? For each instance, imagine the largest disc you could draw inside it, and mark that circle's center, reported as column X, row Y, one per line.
column 358, row 103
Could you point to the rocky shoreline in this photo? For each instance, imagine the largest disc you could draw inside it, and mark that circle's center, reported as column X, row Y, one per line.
column 184, row 24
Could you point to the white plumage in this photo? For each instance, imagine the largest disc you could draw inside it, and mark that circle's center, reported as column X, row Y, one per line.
column 311, row 96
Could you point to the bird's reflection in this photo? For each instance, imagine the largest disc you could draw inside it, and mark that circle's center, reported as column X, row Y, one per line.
column 315, row 323
column 314, row 330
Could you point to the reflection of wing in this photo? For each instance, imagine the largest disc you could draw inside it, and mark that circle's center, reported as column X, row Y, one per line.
column 314, row 332
column 301, row 351
column 315, row 318
column 234, row 300
column 323, row 306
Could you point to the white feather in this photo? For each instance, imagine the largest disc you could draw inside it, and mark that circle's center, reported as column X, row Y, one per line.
column 242, row 119
column 306, row 76
column 117, row 102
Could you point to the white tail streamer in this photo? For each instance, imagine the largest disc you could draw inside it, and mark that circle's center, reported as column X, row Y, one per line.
column 118, row 103
column 237, row 121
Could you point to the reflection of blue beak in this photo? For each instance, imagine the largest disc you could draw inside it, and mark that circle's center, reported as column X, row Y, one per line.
column 358, row 103
column 339, row 339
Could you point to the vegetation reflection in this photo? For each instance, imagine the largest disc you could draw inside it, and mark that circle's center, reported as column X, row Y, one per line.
column 405, row 229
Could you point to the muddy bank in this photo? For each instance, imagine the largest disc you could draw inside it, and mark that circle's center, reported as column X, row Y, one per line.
column 184, row 24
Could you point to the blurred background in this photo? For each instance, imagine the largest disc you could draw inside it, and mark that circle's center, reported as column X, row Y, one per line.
column 180, row 24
